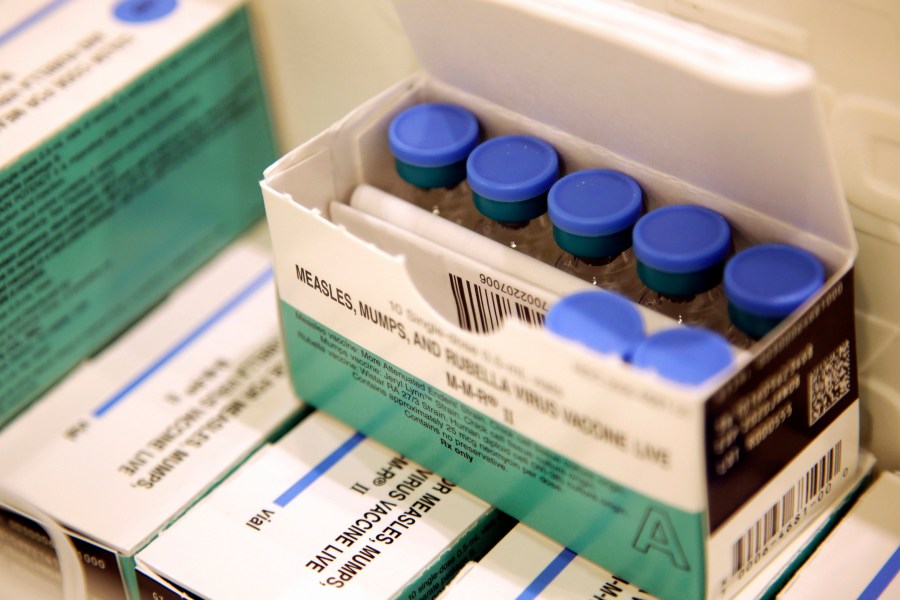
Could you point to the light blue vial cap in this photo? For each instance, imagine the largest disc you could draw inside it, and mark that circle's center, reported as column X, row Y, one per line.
column 601, row 320
column 433, row 134
column 682, row 239
column 772, row 279
column 512, row 168
column 688, row 355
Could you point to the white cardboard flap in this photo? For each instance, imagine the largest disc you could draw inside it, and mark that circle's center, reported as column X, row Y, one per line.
column 723, row 115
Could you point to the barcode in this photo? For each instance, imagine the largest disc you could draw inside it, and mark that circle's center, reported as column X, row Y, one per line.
column 783, row 514
column 829, row 381
column 480, row 310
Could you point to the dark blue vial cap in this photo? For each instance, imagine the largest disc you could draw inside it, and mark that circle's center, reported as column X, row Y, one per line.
column 688, row 355
column 433, row 134
column 601, row 320
column 512, row 168
column 682, row 239
column 766, row 283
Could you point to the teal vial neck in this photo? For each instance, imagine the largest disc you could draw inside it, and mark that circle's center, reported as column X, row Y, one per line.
column 680, row 284
column 511, row 212
column 599, row 246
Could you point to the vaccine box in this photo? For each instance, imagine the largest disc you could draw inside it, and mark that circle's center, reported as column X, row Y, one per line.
column 861, row 557
column 684, row 491
column 526, row 563
column 133, row 437
column 132, row 135
column 325, row 512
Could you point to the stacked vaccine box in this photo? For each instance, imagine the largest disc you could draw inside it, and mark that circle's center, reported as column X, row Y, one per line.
column 410, row 337
column 324, row 512
column 133, row 437
column 861, row 557
column 528, row 564
column 132, row 136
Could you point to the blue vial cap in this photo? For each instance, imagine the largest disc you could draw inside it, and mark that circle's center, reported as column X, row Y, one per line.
column 682, row 239
column 512, row 168
column 688, row 355
column 433, row 134
column 766, row 283
column 595, row 202
column 601, row 320
column 593, row 211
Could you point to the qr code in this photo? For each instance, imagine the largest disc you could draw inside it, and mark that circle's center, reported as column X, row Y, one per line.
column 829, row 381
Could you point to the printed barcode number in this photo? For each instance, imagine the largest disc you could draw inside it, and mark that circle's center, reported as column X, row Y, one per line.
column 829, row 381
column 785, row 513
column 482, row 311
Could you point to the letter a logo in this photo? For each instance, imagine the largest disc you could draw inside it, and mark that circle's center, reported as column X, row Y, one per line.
column 658, row 533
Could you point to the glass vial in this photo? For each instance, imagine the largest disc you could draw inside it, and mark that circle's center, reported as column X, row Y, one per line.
column 687, row 355
column 603, row 321
column 681, row 250
column 430, row 143
column 510, row 177
column 593, row 213
column 766, row 283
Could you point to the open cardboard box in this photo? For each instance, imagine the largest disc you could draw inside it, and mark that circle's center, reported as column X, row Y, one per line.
column 685, row 491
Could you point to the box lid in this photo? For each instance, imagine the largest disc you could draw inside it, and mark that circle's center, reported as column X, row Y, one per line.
column 716, row 112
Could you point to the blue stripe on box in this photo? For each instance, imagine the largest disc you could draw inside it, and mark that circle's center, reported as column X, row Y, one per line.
column 546, row 576
column 319, row 470
column 241, row 297
column 30, row 20
column 883, row 577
